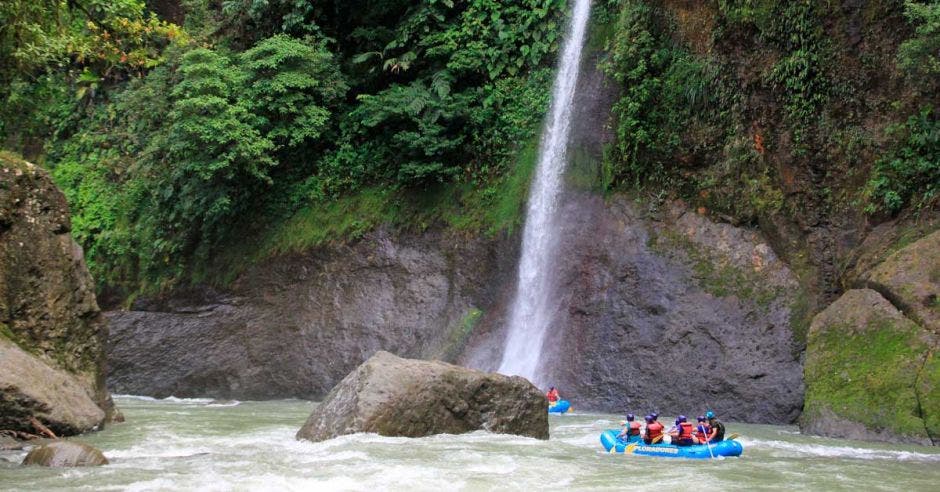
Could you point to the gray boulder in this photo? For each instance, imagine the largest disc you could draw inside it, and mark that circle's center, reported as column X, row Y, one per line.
column 61, row 454
column 31, row 388
column 392, row 396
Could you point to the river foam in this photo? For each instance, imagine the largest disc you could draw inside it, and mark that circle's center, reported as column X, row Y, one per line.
column 182, row 445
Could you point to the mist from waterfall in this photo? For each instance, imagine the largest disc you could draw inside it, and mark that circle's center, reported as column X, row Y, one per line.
column 533, row 307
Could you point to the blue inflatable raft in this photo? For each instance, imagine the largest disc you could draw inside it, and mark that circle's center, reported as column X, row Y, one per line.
column 635, row 446
column 562, row 406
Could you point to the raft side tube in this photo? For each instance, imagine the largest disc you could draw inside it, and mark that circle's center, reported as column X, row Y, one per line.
column 562, row 406
column 723, row 448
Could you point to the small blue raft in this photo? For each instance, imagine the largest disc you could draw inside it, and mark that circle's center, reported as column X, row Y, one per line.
column 636, row 446
column 561, row 406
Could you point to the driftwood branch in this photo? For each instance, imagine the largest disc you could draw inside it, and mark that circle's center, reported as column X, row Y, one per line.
column 41, row 428
column 22, row 436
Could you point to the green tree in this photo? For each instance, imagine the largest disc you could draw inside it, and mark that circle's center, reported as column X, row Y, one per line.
column 291, row 85
column 211, row 165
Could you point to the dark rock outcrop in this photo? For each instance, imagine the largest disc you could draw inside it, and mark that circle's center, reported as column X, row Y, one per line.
column 392, row 396
column 47, row 308
column 61, row 454
column 872, row 370
column 296, row 325
column 665, row 310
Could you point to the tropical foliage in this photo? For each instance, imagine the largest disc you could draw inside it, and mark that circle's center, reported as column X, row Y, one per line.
column 182, row 146
column 172, row 143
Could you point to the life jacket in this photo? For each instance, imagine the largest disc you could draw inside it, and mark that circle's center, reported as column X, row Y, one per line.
column 720, row 435
column 654, row 430
column 634, row 429
column 552, row 396
column 685, row 431
column 702, row 436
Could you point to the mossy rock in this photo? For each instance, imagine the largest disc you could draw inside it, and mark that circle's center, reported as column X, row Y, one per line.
column 865, row 372
column 928, row 388
column 910, row 278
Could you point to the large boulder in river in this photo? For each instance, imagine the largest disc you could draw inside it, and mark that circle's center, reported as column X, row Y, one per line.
column 871, row 373
column 60, row 454
column 31, row 388
column 47, row 309
column 392, row 396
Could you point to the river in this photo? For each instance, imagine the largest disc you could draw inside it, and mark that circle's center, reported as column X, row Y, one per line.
column 194, row 444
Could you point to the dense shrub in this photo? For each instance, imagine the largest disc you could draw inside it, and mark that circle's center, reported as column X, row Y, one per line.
column 911, row 175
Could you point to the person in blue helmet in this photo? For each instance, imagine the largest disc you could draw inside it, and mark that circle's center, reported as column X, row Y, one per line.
column 683, row 433
column 702, row 430
column 631, row 428
column 717, row 433
column 654, row 430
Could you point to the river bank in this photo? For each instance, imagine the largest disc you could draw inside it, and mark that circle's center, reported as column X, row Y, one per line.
column 228, row 445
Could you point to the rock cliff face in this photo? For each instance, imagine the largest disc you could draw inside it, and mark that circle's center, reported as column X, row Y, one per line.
column 872, row 370
column 665, row 310
column 55, row 370
column 392, row 396
column 660, row 309
column 296, row 325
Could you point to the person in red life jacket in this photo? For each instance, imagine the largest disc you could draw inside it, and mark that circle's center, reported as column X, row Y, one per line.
column 654, row 430
column 702, row 430
column 631, row 428
column 552, row 396
column 682, row 436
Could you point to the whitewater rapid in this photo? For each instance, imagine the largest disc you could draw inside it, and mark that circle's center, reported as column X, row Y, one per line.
column 185, row 444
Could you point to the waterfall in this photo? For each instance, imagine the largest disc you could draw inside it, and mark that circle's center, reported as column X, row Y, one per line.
column 532, row 309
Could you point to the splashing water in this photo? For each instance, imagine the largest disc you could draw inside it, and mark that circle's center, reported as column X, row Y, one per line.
column 194, row 445
column 532, row 309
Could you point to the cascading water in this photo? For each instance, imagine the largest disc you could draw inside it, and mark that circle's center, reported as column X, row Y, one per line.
column 532, row 309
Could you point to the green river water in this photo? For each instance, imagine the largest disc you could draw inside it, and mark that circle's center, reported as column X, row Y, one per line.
column 196, row 445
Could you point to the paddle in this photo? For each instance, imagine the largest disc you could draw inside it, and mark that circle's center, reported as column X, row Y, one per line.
column 732, row 437
column 707, row 445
